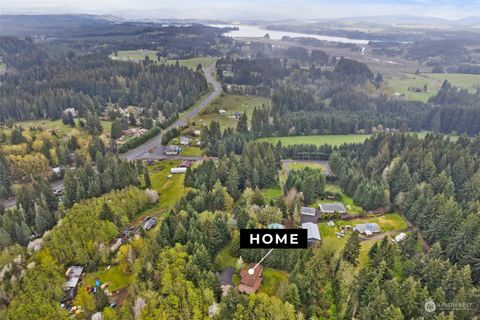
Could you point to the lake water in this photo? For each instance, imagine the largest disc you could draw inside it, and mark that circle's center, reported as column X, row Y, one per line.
column 249, row 31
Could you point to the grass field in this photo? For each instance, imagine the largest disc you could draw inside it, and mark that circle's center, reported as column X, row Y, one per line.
column 169, row 190
column 59, row 127
column 225, row 259
column 191, row 152
column 318, row 140
column 272, row 193
column 401, row 82
column 192, row 63
column 272, row 281
column 229, row 103
column 303, row 165
column 139, row 55
column 114, row 276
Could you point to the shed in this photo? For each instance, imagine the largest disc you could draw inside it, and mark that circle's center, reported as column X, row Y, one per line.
column 275, row 226
column 149, row 223
column 178, row 170
column 313, row 233
column 185, row 164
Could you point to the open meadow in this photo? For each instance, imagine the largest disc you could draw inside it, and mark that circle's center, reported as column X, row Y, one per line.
column 139, row 55
column 408, row 84
column 318, row 140
column 230, row 104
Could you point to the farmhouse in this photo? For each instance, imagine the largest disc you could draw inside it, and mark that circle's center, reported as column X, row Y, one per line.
column 250, row 283
column 309, row 215
column 367, row 228
column 313, row 234
column 74, row 274
column 330, row 208
column 172, row 150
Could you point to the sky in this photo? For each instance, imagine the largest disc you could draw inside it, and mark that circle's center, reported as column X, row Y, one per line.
column 248, row 9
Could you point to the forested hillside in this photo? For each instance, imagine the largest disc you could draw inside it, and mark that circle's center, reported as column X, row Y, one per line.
column 90, row 83
column 433, row 181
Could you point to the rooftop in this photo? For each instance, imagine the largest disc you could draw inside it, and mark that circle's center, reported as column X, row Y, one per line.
column 332, row 207
column 308, row 211
column 251, row 283
column 364, row 227
column 312, row 231
column 275, row 226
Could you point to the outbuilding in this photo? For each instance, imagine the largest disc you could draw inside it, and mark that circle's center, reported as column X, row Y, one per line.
column 313, row 233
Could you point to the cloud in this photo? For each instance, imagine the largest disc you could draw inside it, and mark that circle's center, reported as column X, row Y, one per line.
column 252, row 9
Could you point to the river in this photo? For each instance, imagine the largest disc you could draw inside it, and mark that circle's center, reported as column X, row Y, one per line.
column 249, row 31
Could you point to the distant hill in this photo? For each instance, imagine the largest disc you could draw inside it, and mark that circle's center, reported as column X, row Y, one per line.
column 52, row 25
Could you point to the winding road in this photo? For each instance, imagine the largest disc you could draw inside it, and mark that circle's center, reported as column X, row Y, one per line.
column 153, row 148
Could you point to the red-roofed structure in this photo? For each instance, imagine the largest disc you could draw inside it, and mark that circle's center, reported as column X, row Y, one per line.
column 251, row 283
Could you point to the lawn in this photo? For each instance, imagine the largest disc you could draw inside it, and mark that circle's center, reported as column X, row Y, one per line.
column 192, row 63
column 330, row 242
column 303, row 165
column 230, row 103
column 272, row 193
column 191, row 152
column 318, row 140
column 400, row 83
column 272, row 281
column 365, row 247
column 114, row 276
column 169, row 190
column 59, row 127
column 225, row 259
column 139, row 55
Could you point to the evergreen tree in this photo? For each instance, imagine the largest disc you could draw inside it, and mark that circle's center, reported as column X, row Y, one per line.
column 242, row 125
column 352, row 249
column 106, row 213
column 232, row 182
column 5, row 179
column 116, row 130
column 146, row 178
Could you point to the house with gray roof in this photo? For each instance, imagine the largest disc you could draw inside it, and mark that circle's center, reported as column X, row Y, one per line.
column 313, row 233
column 367, row 228
column 330, row 208
column 308, row 214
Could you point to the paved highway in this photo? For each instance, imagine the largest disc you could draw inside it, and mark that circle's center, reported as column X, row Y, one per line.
column 153, row 148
